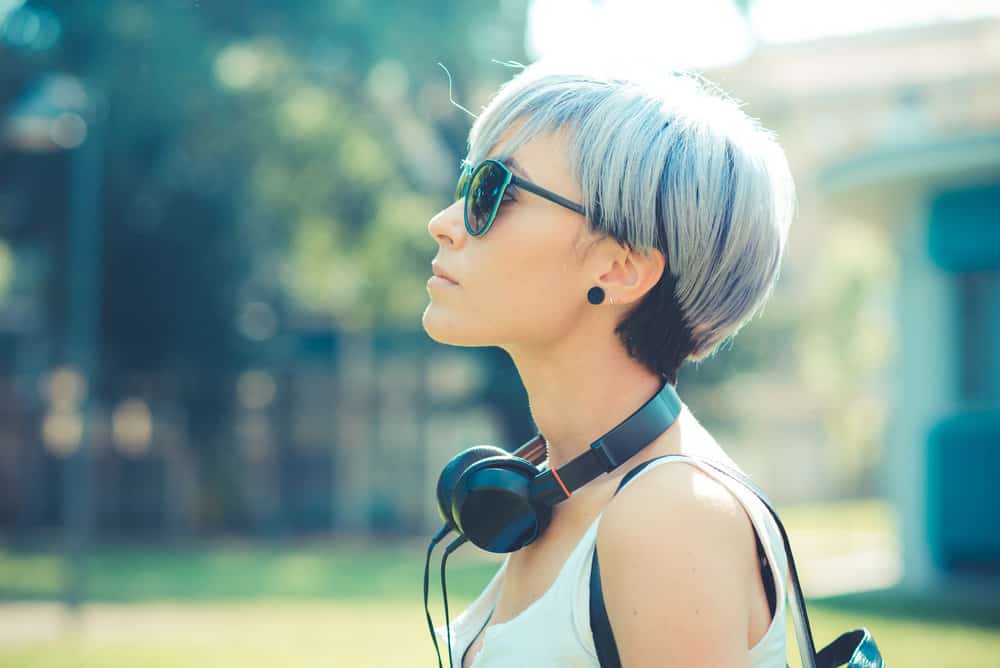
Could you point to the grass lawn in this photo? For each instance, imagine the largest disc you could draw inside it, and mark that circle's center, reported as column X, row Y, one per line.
column 339, row 604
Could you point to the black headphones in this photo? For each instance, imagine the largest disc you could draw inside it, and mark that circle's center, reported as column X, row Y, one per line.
column 502, row 501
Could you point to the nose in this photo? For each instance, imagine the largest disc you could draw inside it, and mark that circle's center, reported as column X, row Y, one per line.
column 447, row 227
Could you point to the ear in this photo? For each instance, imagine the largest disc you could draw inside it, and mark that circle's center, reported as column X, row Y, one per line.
column 633, row 273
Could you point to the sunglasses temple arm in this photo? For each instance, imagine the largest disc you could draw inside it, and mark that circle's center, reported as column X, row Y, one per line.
column 547, row 194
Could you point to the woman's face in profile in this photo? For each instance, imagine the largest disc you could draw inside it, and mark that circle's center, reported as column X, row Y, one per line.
column 523, row 282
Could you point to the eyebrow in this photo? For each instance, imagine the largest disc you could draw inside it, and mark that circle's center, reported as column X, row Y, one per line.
column 516, row 166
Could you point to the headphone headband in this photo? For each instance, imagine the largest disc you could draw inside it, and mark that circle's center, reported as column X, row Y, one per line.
column 607, row 452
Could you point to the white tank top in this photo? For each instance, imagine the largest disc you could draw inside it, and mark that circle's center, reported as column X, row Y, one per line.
column 555, row 629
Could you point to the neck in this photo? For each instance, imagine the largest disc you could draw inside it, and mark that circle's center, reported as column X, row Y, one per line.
column 577, row 393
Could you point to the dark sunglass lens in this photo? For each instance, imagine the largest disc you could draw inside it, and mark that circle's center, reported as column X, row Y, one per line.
column 485, row 191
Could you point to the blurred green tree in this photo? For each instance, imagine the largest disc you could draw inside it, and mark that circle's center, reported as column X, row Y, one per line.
column 261, row 158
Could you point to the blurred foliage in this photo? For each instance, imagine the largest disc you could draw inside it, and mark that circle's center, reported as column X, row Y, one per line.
column 261, row 159
column 845, row 340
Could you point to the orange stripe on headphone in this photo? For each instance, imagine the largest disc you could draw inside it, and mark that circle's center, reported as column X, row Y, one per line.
column 559, row 480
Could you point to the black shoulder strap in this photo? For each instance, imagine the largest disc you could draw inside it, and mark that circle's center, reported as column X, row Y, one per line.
column 600, row 626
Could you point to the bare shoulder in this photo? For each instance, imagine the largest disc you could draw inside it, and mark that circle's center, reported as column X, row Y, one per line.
column 675, row 548
column 684, row 482
column 675, row 503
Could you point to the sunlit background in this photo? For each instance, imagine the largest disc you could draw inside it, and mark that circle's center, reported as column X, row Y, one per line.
column 223, row 423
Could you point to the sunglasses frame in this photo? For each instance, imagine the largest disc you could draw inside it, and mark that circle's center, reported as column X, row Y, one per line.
column 462, row 191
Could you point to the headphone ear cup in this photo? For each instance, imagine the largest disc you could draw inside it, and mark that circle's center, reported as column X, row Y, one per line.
column 454, row 469
column 492, row 505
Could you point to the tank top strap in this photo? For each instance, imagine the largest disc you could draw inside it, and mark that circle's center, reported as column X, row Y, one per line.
column 639, row 468
column 701, row 461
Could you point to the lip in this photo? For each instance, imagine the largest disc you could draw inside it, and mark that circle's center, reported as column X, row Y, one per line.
column 441, row 274
column 440, row 282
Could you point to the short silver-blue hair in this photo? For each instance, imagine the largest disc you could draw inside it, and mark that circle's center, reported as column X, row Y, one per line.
column 671, row 163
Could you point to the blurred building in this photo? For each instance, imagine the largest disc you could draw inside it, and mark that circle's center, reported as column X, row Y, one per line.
column 901, row 130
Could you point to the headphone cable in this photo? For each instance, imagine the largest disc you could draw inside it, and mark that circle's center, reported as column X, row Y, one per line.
column 445, row 530
column 455, row 544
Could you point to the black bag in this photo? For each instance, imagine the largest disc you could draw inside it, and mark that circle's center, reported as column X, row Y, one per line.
column 855, row 649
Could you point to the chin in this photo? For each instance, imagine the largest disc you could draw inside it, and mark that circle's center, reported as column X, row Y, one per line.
column 437, row 326
column 444, row 328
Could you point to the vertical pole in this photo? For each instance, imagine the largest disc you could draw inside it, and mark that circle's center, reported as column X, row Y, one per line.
column 83, row 299
column 354, row 430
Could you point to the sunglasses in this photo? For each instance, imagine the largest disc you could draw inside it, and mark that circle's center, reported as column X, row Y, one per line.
column 483, row 189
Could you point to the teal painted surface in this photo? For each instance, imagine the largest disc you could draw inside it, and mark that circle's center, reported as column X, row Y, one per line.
column 964, row 232
column 963, row 498
column 977, row 339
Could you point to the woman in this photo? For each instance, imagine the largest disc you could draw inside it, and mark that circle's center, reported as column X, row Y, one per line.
column 645, row 225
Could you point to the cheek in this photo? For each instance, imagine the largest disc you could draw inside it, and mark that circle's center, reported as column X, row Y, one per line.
column 540, row 286
column 533, row 263
column 520, row 283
